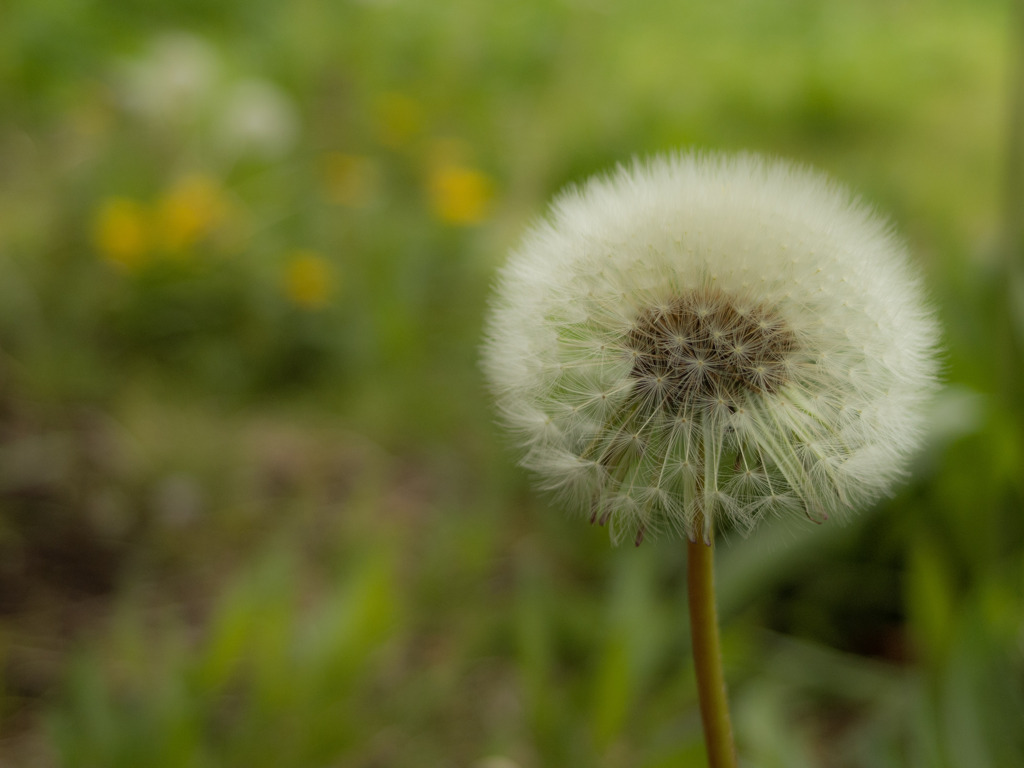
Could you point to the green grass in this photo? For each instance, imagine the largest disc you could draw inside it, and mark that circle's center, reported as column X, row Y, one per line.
column 240, row 526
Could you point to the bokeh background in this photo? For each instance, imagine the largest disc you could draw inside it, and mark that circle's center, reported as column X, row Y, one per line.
column 254, row 509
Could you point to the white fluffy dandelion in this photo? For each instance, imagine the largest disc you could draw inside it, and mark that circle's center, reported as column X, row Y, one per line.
column 701, row 340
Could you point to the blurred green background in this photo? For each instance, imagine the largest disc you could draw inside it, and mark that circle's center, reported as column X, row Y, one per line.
column 254, row 510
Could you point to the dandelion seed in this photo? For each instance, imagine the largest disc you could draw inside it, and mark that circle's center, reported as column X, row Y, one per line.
column 770, row 348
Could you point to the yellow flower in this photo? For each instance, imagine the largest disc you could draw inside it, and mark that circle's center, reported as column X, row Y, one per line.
column 460, row 194
column 121, row 232
column 351, row 180
column 399, row 119
column 190, row 210
column 308, row 279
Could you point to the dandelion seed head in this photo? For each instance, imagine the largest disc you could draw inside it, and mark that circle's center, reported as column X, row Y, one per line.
column 715, row 339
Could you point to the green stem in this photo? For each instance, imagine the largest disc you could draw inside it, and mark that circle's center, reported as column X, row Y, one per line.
column 707, row 655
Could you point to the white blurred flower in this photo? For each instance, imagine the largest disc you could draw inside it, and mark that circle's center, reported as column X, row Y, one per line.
column 497, row 761
column 701, row 339
column 259, row 119
column 174, row 80
column 180, row 84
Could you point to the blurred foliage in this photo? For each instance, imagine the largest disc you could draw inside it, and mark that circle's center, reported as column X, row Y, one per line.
column 253, row 510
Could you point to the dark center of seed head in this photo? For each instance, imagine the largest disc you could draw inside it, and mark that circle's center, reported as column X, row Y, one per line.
column 704, row 346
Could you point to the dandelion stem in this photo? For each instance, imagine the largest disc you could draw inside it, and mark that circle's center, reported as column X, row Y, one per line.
column 707, row 655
